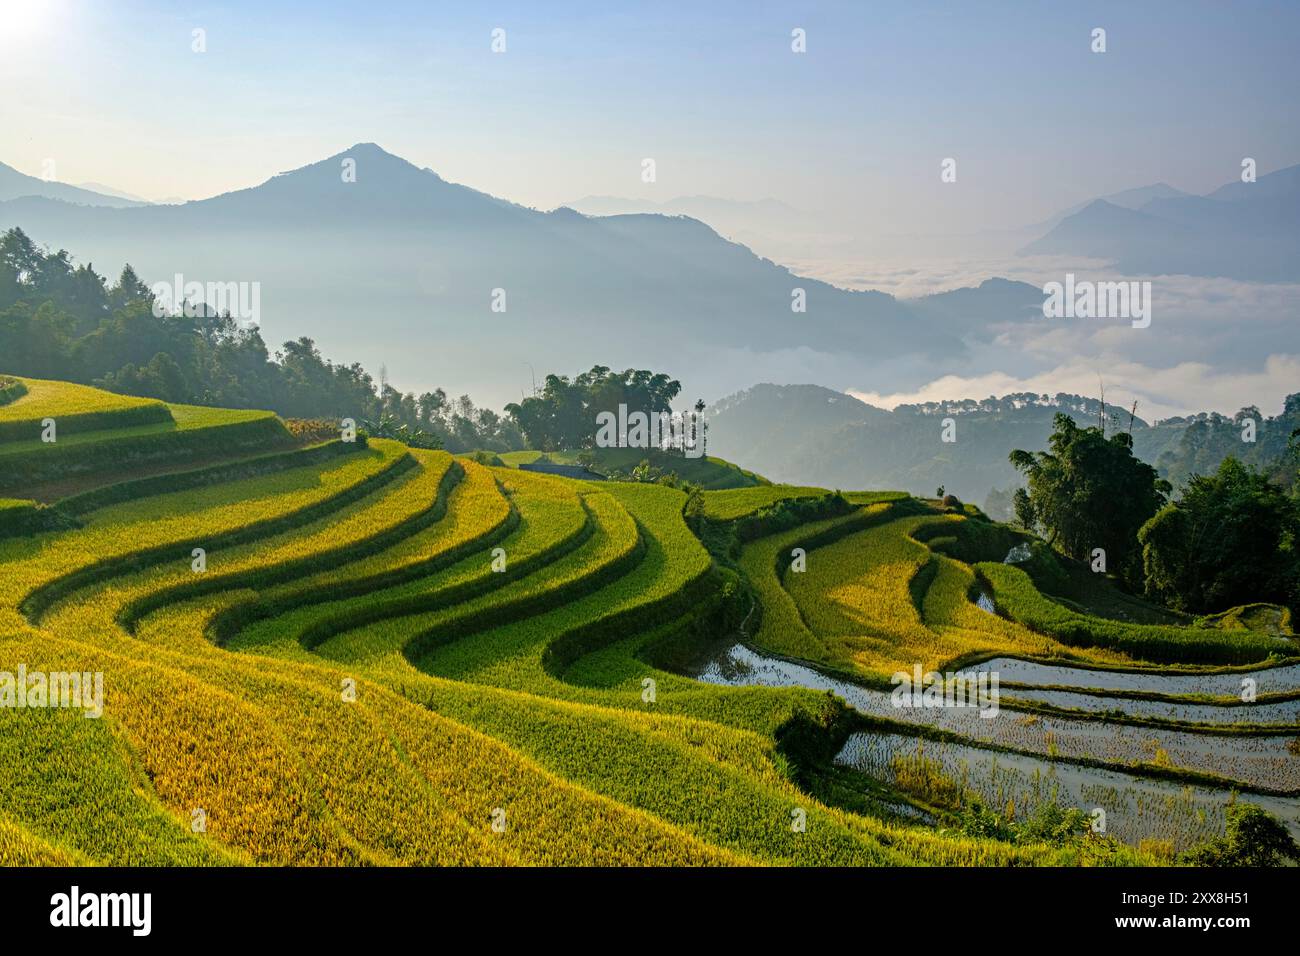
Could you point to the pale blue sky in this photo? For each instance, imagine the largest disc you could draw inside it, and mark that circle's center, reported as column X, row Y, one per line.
column 111, row 90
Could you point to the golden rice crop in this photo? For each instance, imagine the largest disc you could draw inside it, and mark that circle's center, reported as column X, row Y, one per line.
column 526, row 708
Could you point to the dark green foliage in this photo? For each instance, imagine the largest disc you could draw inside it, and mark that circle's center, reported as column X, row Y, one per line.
column 1019, row 599
column 563, row 414
column 489, row 458
column 972, row 540
column 1253, row 838
column 1208, row 438
column 1089, row 491
column 10, row 389
column 27, row 517
column 789, row 513
column 646, row 473
column 1024, row 509
column 388, row 426
column 810, row 739
column 1049, row 823
column 63, row 322
column 1232, row 538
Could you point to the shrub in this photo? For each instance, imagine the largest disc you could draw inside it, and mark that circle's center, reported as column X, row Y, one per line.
column 27, row 517
column 312, row 429
column 10, row 389
column 1254, row 837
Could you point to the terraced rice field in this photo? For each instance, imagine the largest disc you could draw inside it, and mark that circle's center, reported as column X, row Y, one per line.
column 58, row 438
column 393, row 656
column 75, row 408
column 1136, row 809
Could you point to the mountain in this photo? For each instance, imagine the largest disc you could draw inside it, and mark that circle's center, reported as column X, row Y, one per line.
column 399, row 267
column 737, row 219
column 697, row 207
column 1247, row 231
column 110, row 191
column 1128, row 199
column 132, row 197
column 976, row 313
column 14, row 185
column 831, row 439
column 802, row 415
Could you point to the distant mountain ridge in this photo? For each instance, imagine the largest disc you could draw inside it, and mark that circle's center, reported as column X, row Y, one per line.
column 1246, row 231
column 807, row 434
column 15, row 185
column 401, row 267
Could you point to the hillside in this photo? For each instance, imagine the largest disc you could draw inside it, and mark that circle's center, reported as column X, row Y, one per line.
column 500, row 661
column 665, row 291
column 15, row 185
column 1241, row 230
column 708, row 472
column 836, row 441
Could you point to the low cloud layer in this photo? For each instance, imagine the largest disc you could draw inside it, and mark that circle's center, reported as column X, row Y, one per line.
column 1160, row 392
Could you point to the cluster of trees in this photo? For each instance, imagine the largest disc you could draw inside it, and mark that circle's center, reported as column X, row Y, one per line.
column 1088, row 491
column 1232, row 537
column 64, row 321
column 1256, row 439
column 562, row 414
column 1013, row 402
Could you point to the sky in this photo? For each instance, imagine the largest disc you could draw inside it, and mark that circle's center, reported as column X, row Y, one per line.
column 856, row 127
column 853, row 132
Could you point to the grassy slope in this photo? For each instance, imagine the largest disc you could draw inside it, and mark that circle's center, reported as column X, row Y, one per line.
column 475, row 689
column 706, row 471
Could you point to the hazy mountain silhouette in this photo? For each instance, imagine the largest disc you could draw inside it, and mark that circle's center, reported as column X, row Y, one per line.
column 400, row 267
column 993, row 300
column 741, row 220
column 14, row 185
column 1248, row 231
column 1134, row 198
column 832, row 439
column 123, row 194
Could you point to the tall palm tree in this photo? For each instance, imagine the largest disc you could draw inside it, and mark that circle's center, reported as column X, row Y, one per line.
column 703, row 426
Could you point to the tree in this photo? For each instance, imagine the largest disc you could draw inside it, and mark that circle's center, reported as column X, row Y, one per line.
column 1024, row 509
column 63, row 321
column 1089, row 491
column 1253, row 838
column 1232, row 538
column 563, row 415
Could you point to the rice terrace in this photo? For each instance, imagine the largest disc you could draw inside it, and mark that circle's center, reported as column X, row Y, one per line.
column 608, row 672
column 692, row 467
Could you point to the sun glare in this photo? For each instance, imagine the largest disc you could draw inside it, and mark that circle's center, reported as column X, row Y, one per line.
column 22, row 20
